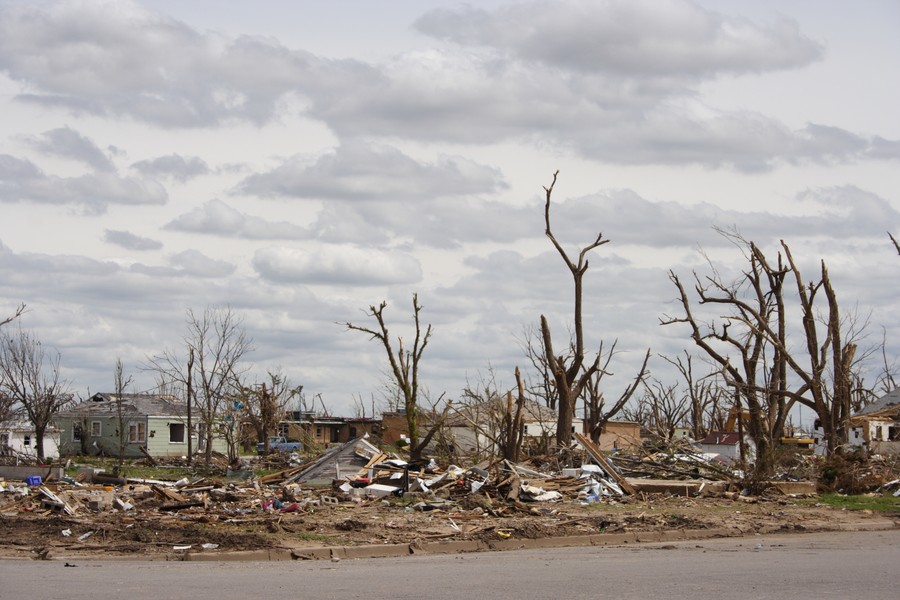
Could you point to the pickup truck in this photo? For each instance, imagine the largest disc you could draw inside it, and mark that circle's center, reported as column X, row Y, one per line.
column 279, row 444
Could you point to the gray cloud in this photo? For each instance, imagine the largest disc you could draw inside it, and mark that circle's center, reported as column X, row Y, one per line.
column 357, row 170
column 613, row 82
column 173, row 166
column 636, row 39
column 217, row 218
column 129, row 241
column 154, row 68
column 68, row 143
column 22, row 181
column 191, row 264
column 345, row 265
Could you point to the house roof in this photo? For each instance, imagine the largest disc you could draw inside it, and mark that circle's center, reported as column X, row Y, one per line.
column 890, row 402
column 105, row 405
column 481, row 412
column 721, row 438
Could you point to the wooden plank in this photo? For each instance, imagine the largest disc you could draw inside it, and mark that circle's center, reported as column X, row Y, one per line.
column 604, row 464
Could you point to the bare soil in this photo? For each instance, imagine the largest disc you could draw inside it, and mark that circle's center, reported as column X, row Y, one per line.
column 34, row 532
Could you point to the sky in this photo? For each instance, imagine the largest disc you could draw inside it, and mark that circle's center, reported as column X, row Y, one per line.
column 301, row 161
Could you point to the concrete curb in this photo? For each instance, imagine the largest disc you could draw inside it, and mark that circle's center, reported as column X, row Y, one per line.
column 421, row 547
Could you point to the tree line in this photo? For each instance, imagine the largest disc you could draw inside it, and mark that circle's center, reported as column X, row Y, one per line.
column 769, row 339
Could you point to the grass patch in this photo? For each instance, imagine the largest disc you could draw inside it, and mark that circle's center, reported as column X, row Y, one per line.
column 874, row 503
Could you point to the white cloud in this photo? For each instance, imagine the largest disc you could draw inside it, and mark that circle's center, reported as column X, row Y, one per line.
column 217, row 218
column 337, row 265
column 22, row 181
column 359, row 171
column 68, row 143
column 634, row 38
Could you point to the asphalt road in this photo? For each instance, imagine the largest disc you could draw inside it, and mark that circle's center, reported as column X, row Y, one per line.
column 790, row 567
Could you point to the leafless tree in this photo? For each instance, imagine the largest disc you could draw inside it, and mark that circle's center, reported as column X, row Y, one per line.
column 19, row 310
column 757, row 359
column 541, row 388
column 894, row 241
column 263, row 404
column 495, row 416
column 218, row 343
column 121, row 383
column 404, row 369
column 31, row 379
column 704, row 395
column 596, row 412
column 572, row 374
column 667, row 406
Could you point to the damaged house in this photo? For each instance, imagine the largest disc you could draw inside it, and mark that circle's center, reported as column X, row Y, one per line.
column 138, row 424
column 875, row 427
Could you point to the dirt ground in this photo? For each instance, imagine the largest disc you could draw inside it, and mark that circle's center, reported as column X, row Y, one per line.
column 146, row 530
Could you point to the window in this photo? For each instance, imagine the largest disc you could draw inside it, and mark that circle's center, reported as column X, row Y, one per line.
column 176, row 433
column 26, row 441
column 878, row 432
column 4, row 441
column 96, row 429
column 137, row 432
column 318, row 431
column 77, row 432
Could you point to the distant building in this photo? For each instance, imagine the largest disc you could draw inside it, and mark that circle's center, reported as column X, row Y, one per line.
column 18, row 438
column 318, row 430
column 155, row 422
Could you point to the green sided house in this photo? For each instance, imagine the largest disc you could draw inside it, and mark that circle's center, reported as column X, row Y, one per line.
column 155, row 422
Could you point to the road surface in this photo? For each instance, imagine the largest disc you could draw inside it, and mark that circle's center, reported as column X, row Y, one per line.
column 795, row 567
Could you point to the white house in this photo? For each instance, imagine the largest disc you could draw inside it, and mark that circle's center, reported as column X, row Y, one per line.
column 17, row 438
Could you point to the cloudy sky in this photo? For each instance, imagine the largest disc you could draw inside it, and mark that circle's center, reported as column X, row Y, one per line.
column 300, row 161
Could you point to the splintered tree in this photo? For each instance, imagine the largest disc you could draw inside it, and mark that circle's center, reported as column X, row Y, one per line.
column 756, row 351
column 404, row 371
column 31, row 379
column 572, row 375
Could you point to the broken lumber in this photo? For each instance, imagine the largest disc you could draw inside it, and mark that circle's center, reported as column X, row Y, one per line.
column 594, row 451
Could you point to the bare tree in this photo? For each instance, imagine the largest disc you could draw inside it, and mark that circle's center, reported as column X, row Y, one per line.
column 597, row 413
column 894, row 241
column 31, row 379
column 667, row 406
column 19, row 310
column 495, row 416
column 571, row 376
column 404, row 369
column 766, row 372
column 704, row 395
column 217, row 343
column 121, row 383
column 264, row 404
column 543, row 389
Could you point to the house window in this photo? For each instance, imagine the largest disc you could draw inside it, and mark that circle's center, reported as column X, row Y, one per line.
column 525, row 430
column 318, row 431
column 176, row 433
column 878, row 433
column 4, row 441
column 77, row 432
column 26, row 441
column 137, row 432
column 96, row 429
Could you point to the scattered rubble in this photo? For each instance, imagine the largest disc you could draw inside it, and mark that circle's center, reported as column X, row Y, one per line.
column 357, row 494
